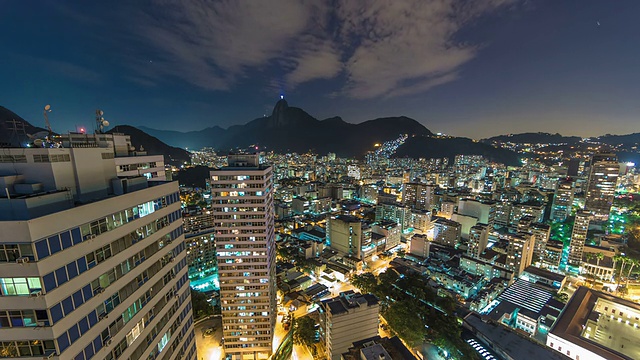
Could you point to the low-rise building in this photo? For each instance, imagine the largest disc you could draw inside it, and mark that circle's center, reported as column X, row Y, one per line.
column 527, row 307
column 543, row 277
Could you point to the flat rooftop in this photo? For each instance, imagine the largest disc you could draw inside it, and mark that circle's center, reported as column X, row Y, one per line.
column 544, row 273
column 508, row 342
column 610, row 333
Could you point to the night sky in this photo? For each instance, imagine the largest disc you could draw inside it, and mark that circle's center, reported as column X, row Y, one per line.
column 466, row 68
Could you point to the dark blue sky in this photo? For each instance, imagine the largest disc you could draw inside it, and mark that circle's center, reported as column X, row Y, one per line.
column 473, row 69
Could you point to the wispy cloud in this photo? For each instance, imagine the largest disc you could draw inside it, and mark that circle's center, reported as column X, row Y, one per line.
column 60, row 67
column 380, row 48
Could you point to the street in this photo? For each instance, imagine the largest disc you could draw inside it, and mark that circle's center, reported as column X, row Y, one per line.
column 208, row 346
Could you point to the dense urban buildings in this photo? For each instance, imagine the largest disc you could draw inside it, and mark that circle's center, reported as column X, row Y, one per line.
column 242, row 207
column 95, row 263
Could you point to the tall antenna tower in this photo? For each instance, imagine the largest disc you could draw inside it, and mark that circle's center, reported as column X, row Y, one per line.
column 101, row 123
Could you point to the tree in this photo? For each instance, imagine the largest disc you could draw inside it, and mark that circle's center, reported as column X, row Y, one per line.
column 201, row 306
column 633, row 263
column 403, row 319
column 623, row 261
column 589, row 256
column 366, row 282
column 562, row 297
column 599, row 256
column 304, row 331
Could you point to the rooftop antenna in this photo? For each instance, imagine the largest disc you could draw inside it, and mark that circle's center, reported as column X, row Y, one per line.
column 47, row 110
column 101, row 123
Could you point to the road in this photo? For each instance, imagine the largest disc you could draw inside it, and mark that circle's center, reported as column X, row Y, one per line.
column 209, row 347
column 299, row 352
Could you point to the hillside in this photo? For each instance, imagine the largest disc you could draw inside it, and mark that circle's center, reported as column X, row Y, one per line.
column 152, row 145
column 291, row 129
column 15, row 138
column 433, row 147
column 533, row 138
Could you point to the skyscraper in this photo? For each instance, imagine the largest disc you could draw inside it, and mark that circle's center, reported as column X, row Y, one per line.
column 562, row 201
column 93, row 266
column 602, row 185
column 242, row 204
column 578, row 237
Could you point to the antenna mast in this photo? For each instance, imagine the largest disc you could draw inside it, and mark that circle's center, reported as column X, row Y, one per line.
column 47, row 110
column 101, row 123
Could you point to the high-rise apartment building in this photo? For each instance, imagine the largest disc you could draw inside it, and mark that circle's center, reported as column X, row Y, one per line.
column 520, row 210
column 478, row 240
column 345, row 319
column 418, row 196
column 420, row 246
column 541, row 234
column 578, row 237
column 562, row 201
column 199, row 236
column 603, row 179
column 394, row 212
column 344, row 235
column 519, row 252
column 91, row 265
column 484, row 211
column 242, row 204
column 446, row 232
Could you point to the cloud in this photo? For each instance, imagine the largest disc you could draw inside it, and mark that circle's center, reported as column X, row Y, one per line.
column 60, row 67
column 378, row 48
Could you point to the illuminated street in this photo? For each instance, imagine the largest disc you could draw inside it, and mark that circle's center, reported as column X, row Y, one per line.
column 209, row 347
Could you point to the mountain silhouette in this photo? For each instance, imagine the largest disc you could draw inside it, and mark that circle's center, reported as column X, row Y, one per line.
column 291, row 129
column 14, row 130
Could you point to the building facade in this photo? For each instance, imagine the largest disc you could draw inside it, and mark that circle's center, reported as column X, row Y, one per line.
column 478, row 240
column 446, row 232
column 562, row 201
column 97, row 263
column 603, row 179
column 345, row 319
column 578, row 237
column 242, row 204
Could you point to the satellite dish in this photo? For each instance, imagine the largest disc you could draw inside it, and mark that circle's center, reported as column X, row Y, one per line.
column 47, row 107
column 38, row 142
column 105, row 123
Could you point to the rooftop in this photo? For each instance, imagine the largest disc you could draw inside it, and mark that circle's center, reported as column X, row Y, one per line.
column 580, row 308
column 544, row 273
column 349, row 300
column 509, row 342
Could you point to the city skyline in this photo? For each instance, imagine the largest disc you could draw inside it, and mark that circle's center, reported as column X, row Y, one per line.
column 507, row 65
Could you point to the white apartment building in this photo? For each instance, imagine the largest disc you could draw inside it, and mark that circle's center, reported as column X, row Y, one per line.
column 346, row 319
column 92, row 266
column 242, row 205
